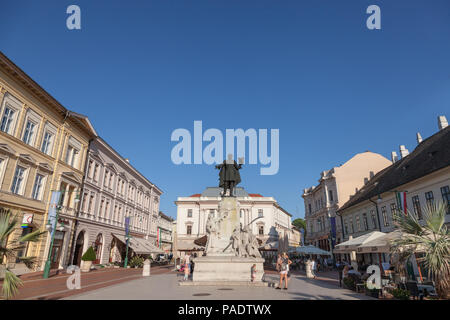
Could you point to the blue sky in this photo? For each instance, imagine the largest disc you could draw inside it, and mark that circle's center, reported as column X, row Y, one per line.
column 312, row 69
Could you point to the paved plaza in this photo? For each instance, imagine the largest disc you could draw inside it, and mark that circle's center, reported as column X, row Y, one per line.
column 165, row 287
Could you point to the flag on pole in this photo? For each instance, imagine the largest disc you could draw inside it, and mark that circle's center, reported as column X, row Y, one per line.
column 401, row 202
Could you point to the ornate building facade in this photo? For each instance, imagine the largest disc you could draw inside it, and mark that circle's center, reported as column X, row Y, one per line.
column 113, row 190
column 43, row 147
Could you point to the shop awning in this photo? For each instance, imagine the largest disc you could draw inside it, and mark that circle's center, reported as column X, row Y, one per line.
column 139, row 245
column 380, row 244
column 312, row 250
column 353, row 244
column 188, row 245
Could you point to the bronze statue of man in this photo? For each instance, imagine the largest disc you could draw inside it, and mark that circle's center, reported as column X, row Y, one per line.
column 229, row 175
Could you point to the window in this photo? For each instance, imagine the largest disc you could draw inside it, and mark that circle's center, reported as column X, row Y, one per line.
column 212, row 211
column 91, row 201
column 260, row 212
column 37, row 188
column 330, row 195
column 23, row 251
column 309, row 207
column 429, row 198
column 445, row 191
column 261, row 230
column 96, row 172
column 416, row 206
column 17, row 184
column 374, row 219
column 345, row 227
column 188, row 229
column 100, row 211
column 47, row 143
column 28, row 135
column 189, row 213
column 365, row 222
column 358, row 223
column 384, row 215
column 7, row 119
column 72, row 156
column 105, row 180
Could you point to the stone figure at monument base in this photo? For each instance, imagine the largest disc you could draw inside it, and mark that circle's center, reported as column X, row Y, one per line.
column 231, row 249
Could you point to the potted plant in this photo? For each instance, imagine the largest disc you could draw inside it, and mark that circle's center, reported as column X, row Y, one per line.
column 87, row 259
column 400, row 294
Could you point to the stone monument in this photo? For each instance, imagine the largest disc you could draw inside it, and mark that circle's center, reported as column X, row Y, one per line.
column 231, row 249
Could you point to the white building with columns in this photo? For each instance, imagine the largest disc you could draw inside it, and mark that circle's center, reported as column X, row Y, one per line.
column 112, row 190
column 193, row 211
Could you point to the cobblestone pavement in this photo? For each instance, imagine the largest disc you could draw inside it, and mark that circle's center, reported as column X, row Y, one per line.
column 35, row 287
column 165, row 287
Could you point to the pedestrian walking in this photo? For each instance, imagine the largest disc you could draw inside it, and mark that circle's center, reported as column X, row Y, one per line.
column 187, row 266
column 285, row 262
column 340, row 267
column 313, row 267
column 253, row 272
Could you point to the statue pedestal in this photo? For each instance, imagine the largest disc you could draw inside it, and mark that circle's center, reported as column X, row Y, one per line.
column 223, row 264
column 210, row 270
column 219, row 245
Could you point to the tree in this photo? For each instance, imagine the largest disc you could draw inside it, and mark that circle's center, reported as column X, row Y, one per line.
column 430, row 238
column 300, row 224
column 8, row 223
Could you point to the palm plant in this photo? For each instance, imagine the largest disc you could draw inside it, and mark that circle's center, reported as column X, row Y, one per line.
column 431, row 238
column 8, row 223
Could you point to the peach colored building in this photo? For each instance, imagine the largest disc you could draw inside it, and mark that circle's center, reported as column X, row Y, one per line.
column 334, row 189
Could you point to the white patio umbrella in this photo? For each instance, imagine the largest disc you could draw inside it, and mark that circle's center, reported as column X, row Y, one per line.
column 312, row 250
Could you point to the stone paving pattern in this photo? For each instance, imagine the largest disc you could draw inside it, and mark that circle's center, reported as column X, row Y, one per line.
column 165, row 287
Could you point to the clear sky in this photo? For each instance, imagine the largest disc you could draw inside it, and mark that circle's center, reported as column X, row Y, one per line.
column 312, row 69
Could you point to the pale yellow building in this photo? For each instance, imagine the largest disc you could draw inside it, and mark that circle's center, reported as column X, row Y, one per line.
column 43, row 147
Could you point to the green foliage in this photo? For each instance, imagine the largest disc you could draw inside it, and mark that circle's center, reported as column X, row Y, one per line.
column 9, row 223
column 137, row 261
column 11, row 284
column 400, row 294
column 89, row 255
column 432, row 238
column 350, row 283
column 300, row 224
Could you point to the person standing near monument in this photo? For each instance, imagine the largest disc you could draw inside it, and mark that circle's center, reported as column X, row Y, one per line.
column 285, row 262
column 187, row 266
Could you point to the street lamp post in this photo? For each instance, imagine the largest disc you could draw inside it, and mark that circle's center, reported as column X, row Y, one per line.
column 127, row 237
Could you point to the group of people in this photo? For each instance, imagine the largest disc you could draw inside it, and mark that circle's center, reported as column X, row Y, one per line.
column 188, row 265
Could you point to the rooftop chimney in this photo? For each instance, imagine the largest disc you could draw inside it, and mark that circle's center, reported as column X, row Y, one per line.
column 403, row 151
column 371, row 174
column 394, row 157
column 418, row 137
column 366, row 180
column 442, row 122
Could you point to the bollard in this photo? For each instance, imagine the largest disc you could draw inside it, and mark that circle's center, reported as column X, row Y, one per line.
column 146, row 270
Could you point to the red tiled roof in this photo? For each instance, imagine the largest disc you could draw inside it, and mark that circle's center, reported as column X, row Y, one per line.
column 195, row 195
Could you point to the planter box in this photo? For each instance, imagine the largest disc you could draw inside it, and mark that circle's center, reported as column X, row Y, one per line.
column 86, row 266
